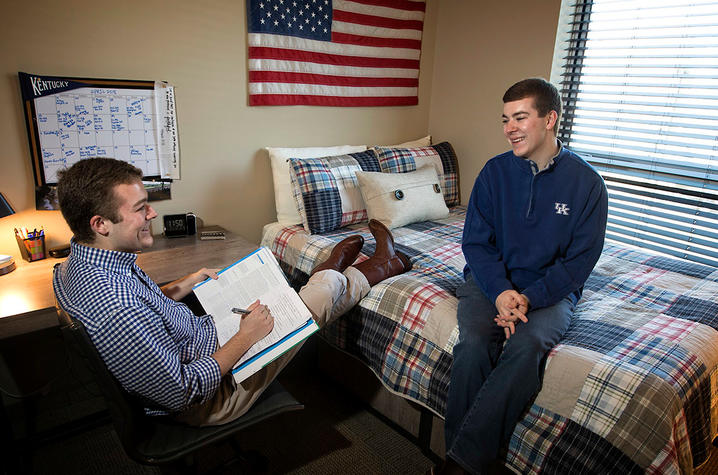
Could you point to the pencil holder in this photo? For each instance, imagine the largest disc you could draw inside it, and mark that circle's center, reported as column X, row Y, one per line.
column 31, row 249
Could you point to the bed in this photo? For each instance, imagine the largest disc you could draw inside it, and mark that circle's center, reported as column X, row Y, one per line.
column 631, row 388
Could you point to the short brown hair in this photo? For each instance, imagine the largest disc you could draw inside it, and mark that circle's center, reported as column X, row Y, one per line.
column 545, row 95
column 86, row 189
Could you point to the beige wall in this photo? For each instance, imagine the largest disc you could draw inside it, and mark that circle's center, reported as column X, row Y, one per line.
column 482, row 47
column 200, row 47
column 472, row 50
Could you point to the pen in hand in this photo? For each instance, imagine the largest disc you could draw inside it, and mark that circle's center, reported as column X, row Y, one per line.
column 240, row 311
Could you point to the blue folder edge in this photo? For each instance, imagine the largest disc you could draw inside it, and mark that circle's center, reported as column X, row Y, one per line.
column 309, row 322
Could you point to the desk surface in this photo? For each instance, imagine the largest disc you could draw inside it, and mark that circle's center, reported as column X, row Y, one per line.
column 27, row 301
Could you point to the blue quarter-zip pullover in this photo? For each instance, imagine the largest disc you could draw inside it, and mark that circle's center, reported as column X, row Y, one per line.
column 538, row 233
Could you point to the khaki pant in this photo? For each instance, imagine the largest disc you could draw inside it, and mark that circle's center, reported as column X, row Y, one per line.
column 328, row 295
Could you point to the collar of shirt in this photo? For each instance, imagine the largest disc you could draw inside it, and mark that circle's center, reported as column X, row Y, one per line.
column 114, row 261
column 534, row 166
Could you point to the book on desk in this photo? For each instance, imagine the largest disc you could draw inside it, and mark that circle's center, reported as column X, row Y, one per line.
column 210, row 233
column 256, row 276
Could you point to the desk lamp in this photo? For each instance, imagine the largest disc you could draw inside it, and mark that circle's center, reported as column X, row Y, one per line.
column 7, row 264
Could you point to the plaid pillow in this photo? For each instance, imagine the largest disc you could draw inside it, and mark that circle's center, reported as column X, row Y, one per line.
column 327, row 191
column 442, row 156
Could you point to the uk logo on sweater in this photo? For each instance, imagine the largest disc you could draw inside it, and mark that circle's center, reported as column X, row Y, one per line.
column 562, row 208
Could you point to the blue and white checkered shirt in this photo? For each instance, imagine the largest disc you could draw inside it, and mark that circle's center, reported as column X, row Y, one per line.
column 156, row 347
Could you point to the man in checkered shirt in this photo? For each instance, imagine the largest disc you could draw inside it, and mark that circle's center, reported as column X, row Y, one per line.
column 154, row 345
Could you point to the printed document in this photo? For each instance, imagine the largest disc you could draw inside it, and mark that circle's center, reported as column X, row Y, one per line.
column 256, row 277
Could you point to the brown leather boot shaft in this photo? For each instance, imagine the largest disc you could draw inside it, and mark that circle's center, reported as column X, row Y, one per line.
column 343, row 254
column 386, row 261
column 376, row 269
column 384, row 239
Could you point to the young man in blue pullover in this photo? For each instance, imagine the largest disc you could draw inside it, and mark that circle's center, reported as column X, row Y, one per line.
column 535, row 227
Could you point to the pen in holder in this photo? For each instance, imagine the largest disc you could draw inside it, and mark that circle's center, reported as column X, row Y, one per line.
column 32, row 248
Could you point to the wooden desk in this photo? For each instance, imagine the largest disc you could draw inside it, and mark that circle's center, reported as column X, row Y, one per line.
column 27, row 301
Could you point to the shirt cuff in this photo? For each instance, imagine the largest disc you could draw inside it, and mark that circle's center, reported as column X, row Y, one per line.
column 536, row 296
column 209, row 374
column 496, row 290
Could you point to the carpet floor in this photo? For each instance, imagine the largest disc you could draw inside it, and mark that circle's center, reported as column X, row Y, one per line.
column 334, row 434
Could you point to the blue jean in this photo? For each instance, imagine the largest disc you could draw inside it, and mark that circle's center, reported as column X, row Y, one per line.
column 492, row 383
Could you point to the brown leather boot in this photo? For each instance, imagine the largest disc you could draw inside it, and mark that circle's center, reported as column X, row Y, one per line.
column 343, row 254
column 386, row 261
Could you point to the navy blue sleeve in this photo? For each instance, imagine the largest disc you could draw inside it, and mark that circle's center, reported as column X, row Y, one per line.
column 570, row 272
column 478, row 243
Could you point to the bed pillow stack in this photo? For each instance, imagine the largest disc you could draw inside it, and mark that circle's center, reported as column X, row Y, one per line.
column 326, row 193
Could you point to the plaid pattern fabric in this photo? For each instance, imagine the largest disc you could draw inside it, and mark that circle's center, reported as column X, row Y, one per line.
column 442, row 156
column 533, row 437
column 327, row 192
column 631, row 387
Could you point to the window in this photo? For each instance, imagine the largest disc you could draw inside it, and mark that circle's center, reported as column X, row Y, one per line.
column 639, row 82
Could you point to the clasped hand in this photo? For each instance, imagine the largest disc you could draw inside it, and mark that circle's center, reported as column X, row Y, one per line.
column 512, row 307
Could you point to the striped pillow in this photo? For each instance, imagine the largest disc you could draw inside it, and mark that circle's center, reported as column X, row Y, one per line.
column 441, row 156
column 327, row 192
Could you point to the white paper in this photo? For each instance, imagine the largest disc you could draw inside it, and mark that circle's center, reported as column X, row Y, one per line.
column 255, row 277
column 167, row 136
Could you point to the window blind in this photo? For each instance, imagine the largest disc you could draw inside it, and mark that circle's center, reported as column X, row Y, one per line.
column 639, row 83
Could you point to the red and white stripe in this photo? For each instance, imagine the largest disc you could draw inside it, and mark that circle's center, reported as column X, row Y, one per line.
column 372, row 60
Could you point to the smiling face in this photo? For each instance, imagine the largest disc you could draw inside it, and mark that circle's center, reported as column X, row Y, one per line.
column 132, row 232
column 530, row 136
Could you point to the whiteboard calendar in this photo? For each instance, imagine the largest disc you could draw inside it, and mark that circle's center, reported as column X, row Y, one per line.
column 71, row 119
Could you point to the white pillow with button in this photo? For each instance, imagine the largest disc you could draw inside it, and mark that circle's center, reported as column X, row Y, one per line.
column 397, row 199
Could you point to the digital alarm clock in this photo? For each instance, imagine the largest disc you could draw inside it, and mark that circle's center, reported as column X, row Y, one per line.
column 177, row 225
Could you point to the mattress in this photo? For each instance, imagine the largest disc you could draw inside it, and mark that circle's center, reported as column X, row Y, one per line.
column 630, row 388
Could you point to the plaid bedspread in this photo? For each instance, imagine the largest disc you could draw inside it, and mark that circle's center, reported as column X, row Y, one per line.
column 631, row 388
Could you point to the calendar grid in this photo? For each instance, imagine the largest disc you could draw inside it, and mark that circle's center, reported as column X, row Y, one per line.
column 89, row 122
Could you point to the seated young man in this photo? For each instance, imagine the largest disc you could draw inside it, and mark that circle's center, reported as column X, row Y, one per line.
column 154, row 345
column 534, row 229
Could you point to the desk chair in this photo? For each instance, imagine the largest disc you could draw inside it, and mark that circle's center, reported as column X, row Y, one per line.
column 153, row 440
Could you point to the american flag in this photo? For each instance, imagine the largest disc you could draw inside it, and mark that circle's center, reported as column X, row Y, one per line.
column 334, row 52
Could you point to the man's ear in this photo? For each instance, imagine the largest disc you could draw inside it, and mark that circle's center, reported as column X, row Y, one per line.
column 100, row 225
column 551, row 118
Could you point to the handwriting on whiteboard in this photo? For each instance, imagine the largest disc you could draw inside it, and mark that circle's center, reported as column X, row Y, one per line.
column 126, row 124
